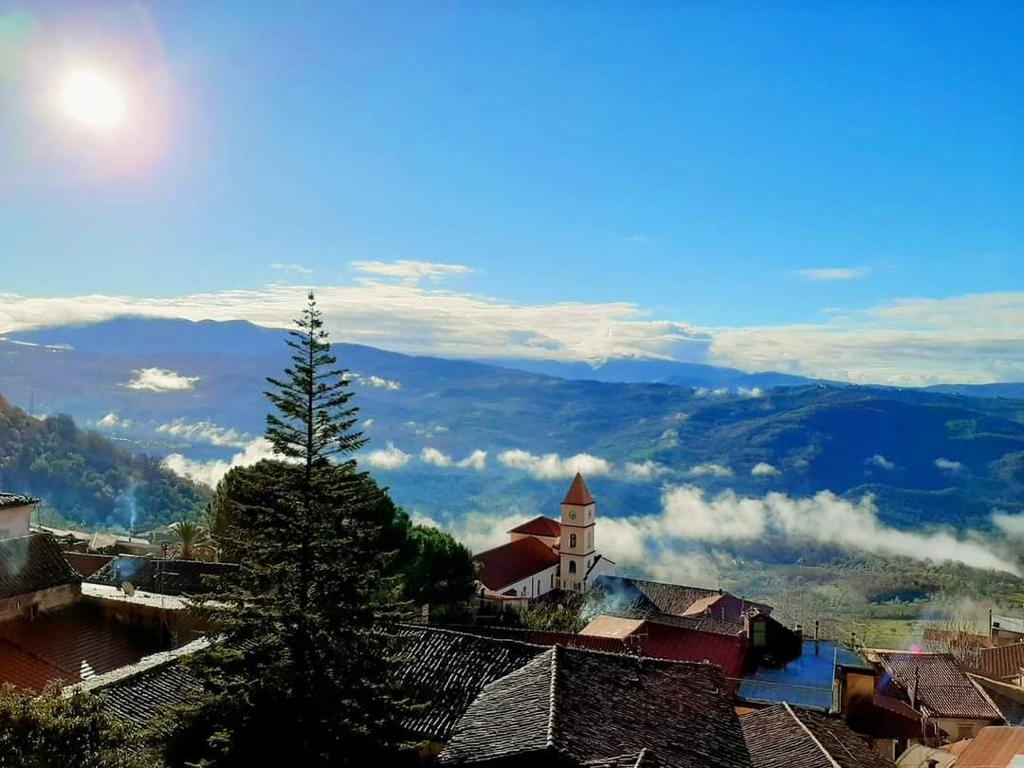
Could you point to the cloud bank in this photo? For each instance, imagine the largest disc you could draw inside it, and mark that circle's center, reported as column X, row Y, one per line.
column 210, row 472
column 400, row 306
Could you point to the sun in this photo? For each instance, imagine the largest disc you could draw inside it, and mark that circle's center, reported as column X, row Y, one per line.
column 93, row 100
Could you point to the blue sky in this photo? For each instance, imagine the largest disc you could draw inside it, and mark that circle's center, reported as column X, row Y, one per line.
column 695, row 160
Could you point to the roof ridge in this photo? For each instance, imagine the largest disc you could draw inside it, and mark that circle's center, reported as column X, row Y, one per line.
column 474, row 635
column 141, row 667
column 813, row 738
column 552, row 708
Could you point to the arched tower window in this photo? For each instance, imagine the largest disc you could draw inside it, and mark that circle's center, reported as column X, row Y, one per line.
column 572, row 566
column 572, row 541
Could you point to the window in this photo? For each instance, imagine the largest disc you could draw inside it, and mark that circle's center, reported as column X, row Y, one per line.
column 760, row 634
column 572, row 541
column 552, row 581
column 572, row 566
column 964, row 731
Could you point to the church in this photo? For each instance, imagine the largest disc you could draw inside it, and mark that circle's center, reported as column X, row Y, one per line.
column 545, row 554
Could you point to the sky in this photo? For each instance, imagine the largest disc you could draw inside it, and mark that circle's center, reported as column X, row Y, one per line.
column 833, row 189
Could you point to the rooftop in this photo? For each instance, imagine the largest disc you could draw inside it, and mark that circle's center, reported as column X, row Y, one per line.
column 578, row 494
column 539, row 526
column 805, row 681
column 625, row 699
column 66, row 646
column 449, row 669
column 138, row 693
column 1002, row 661
column 937, row 684
column 696, row 607
column 515, row 561
column 994, row 747
column 31, row 564
column 161, row 575
column 15, row 500
column 781, row 737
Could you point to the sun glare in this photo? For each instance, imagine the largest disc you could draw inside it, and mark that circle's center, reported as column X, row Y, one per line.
column 93, row 100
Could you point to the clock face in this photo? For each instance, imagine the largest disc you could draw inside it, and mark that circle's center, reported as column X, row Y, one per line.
column 572, row 514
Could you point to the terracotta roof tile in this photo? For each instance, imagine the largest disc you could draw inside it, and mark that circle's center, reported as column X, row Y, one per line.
column 624, row 595
column 68, row 645
column 993, row 747
column 539, row 526
column 1002, row 661
column 514, row 562
column 595, row 708
column 939, row 686
column 579, row 494
column 86, row 563
column 781, row 737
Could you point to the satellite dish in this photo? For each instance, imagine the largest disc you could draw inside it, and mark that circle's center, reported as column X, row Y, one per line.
column 128, row 588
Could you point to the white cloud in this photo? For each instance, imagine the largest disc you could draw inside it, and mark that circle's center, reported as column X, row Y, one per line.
column 113, row 421
column 645, row 470
column 412, row 272
column 687, row 514
column 210, row 472
column 709, row 470
column 160, row 380
column 389, row 457
column 476, row 460
column 435, row 457
column 831, row 274
column 205, row 432
column 750, row 392
column 375, row 381
column 971, row 338
column 764, row 469
column 367, row 423
column 1011, row 525
column 287, row 266
column 878, row 460
column 948, row 465
column 551, row 465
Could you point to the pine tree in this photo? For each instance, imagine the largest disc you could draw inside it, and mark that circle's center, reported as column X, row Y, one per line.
column 304, row 664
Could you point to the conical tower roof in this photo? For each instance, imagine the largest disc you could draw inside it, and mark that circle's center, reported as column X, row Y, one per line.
column 578, row 494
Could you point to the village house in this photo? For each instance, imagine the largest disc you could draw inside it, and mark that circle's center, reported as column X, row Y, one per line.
column 545, row 554
column 15, row 515
column 951, row 705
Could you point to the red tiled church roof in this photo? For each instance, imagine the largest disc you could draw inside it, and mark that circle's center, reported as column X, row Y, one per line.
column 539, row 526
column 578, row 493
column 514, row 561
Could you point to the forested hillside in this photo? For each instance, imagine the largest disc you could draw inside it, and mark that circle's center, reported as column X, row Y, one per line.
column 85, row 477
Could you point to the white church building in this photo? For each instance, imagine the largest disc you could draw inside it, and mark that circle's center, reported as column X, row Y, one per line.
column 545, row 554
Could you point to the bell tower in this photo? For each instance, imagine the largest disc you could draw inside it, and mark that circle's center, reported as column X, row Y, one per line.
column 576, row 542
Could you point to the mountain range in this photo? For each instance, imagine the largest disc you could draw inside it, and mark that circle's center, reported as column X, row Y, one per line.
column 195, row 389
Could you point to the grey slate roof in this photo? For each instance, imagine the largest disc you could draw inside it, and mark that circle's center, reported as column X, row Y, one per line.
column 32, row 563
column 781, row 737
column 15, row 500
column 447, row 670
column 161, row 575
column 137, row 695
column 592, row 708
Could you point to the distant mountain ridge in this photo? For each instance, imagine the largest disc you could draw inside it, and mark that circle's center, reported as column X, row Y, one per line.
column 927, row 456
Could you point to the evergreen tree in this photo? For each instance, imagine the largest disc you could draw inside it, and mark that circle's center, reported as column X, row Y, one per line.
column 303, row 667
